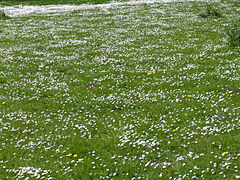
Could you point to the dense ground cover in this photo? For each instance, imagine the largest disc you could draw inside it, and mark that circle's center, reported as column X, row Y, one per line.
column 56, row 2
column 143, row 91
column 48, row 2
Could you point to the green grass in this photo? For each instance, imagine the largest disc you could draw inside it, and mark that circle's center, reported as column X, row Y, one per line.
column 210, row 12
column 3, row 15
column 161, row 108
column 233, row 34
column 50, row 2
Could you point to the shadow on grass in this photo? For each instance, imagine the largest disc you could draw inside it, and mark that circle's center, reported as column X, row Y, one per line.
column 211, row 12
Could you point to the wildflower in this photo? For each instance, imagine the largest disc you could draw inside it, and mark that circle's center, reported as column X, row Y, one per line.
column 229, row 92
column 190, row 96
column 3, row 102
column 75, row 155
column 124, row 94
column 153, row 72
column 237, row 177
column 174, row 130
column 165, row 89
column 70, row 154
column 149, row 73
column 163, row 130
column 224, row 153
column 110, row 94
column 64, row 151
column 156, row 78
column 185, row 114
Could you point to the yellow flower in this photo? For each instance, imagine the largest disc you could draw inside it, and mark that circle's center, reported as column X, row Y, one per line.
column 64, row 151
column 110, row 94
column 229, row 92
column 174, row 130
column 153, row 72
column 149, row 73
column 3, row 102
column 224, row 153
column 156, row 78
column 124, row 94
column 185, row 114
column 163, row 130
column 75, row 155
column 165, row 89
column 70, row 154
column 190, row 96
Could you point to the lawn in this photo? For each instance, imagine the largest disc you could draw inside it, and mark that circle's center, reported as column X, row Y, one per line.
column 124, row 91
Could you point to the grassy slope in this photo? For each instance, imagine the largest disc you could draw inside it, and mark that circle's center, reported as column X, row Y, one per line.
column 171, row 65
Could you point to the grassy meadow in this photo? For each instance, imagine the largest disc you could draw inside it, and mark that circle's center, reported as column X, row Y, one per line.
column 51, row 2
column 131, row 91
